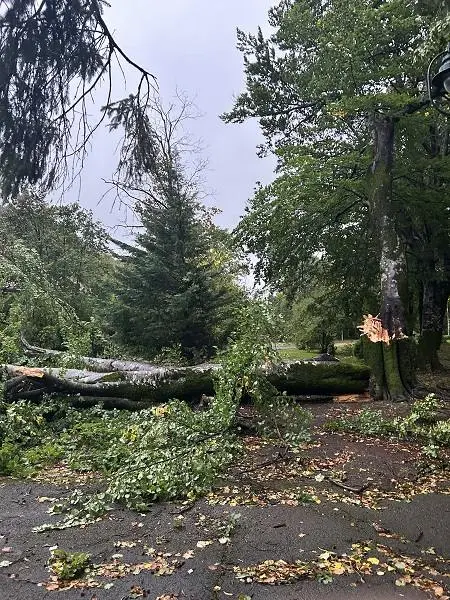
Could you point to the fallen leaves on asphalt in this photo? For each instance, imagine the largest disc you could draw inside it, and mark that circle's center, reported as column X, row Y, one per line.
column 364, row 558
column 158, row 566
column 373, row 498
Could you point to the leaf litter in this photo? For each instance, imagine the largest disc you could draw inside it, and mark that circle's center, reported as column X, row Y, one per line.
column 364, row 559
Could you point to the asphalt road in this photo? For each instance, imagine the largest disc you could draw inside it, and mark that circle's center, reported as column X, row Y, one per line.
column 262, row 533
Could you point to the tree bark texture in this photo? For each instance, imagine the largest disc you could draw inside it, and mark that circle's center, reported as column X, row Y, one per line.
column 434, row 305
column 392, row 364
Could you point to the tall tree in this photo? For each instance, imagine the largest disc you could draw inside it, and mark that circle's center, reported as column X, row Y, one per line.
column 422, row 179
column 293, row 88
column 172, row 293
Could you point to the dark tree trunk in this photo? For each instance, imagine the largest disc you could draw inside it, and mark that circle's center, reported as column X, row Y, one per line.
column 434, row 305
column 434, row 267
column 392, row 364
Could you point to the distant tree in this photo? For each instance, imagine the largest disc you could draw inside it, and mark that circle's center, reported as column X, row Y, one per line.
column 231, row 267
column 53, row 55
column 173, row 289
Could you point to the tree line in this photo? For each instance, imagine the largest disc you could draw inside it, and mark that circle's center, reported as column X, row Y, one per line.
column 355, row 221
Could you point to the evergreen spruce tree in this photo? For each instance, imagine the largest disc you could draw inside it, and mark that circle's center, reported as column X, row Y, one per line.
column 171, row 292
column 54, row 55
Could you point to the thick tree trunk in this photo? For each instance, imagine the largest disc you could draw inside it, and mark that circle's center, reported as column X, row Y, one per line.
column 392, row 364
column 149, row 387
column 435, row 293
column 434, row 264
column 435, row 298
column 138, row 389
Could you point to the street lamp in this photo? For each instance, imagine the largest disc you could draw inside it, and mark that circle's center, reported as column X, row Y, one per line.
column 439, row 85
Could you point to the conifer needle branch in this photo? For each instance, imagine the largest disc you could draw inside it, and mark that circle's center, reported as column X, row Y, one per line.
column 115, row 46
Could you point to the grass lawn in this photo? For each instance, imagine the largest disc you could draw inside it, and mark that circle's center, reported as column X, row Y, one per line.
column 296, row 353
column 290, row 352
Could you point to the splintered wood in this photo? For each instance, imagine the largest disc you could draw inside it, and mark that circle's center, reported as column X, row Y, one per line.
column 29, row 372
column 373, row 328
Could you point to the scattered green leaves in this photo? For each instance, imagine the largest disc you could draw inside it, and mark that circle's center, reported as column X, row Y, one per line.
column 67, row 565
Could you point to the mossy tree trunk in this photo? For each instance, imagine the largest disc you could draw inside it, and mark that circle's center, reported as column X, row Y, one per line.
column 138, row 389
column 392, row 364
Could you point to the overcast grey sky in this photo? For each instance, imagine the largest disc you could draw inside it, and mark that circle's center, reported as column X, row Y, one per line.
column 189, row 45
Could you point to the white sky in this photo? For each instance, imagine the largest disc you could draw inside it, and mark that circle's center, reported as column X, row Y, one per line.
column 189, row 45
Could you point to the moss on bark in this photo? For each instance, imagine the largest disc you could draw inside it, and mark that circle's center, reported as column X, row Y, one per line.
column 321, row 378
column 392, row 367
column 373, row 355
column 394, row 388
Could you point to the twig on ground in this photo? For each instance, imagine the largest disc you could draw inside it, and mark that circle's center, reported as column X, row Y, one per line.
column 282, row 456
column 348, row 488
column 183, row 509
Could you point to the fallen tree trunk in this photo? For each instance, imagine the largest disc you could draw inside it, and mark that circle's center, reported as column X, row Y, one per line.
column 100, row 365
column 138, row 389
column 315, row 377
column 137, row 386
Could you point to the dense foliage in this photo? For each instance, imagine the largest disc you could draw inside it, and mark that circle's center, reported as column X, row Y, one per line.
column 167, row 452
column 341, row 213
column 171, row 294
column 55, row 275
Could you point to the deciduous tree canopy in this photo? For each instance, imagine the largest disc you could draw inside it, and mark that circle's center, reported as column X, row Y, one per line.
column 356, row 141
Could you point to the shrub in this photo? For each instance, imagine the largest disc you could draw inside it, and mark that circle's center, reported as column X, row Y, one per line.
column 421, row 422
column 368, row 422
column 440, row 433
column 345, row 349
column 10, row 463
